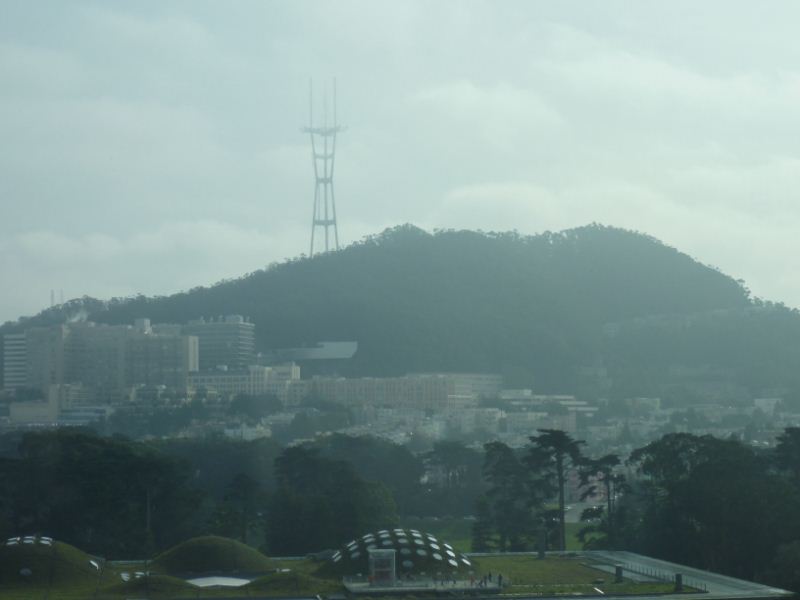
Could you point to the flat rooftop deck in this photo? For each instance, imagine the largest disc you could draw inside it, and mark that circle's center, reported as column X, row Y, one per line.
column 423, row 586
column 705, row 584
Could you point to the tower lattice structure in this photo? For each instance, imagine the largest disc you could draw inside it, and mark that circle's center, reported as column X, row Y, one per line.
column 323, row 156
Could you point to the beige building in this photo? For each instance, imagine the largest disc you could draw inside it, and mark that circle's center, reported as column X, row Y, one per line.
column 254, row 380
column 107, row 360
column 422, row 391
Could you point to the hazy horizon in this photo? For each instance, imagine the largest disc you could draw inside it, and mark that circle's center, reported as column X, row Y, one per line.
column 154, row 147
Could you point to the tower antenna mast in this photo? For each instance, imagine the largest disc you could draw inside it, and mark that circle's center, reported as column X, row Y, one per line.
column 323, row 156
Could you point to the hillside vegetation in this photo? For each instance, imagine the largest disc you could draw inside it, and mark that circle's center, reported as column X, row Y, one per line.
column 538, row 309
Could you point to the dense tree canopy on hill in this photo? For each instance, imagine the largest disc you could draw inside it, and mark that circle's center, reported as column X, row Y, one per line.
column 535, row 308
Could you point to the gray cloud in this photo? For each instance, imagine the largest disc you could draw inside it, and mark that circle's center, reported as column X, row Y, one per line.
column 154, row 147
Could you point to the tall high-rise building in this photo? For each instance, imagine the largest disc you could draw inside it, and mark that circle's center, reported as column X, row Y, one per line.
column 228, row 341
column 160, row 359
column 95, row 357
column 104, row 360
column 45, row 364
column 15, row 356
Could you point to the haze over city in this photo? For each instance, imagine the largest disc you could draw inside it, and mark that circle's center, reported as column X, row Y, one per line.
column 153, row 147
column 541, row 341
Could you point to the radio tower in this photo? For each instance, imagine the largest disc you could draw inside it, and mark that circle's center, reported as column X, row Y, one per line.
column 323, row 155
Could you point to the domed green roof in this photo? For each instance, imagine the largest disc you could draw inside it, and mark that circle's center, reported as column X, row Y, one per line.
column 37, row 559
column 211, row 554
column 416, row 552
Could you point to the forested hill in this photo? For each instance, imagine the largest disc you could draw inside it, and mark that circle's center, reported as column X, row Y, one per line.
column 526, row 306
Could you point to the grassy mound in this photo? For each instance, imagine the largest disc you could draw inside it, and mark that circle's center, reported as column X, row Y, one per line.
column 291, row 584
column 211, row 554
column 57, row 564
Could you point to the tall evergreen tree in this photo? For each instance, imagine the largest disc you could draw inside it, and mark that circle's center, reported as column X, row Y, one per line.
column 509, row 496
column 600, row 473
column 482, row 526
column 321, row 503
column 787, row 453
column 564, row 453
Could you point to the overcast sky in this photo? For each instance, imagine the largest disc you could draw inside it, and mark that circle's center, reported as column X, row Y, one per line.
column 149, row 147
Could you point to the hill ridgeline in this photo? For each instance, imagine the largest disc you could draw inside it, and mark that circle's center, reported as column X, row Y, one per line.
column 594, row 310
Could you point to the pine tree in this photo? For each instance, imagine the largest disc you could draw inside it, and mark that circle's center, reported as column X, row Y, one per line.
column 482, row 527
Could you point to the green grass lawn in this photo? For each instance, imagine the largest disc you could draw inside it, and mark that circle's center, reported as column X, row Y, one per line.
column 557, row 576
column 525, row 570
column 573, row 543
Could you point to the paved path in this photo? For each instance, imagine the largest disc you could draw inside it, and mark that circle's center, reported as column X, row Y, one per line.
column 716, row 586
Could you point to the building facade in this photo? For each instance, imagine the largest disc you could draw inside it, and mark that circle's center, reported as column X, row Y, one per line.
column 255, row 380
column 228, row 341
column 15, row 359
column 45, row 358
column 422, row 391
column 160, row 359
column 106, row 360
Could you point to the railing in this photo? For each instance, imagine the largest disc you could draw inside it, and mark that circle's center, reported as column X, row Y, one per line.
column 664, row 576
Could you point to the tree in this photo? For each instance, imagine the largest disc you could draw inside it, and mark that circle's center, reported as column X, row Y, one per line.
column 672, row 458
column 454, row 478
column 321, row 503
column 112, row 497
column 600, row 472
column 452, row 460
column 713, row 504
column 563, row 453
column 375, row 459
column 241, row 509
column 256, row 407
column 509, row 496
column 785, row 568
column 787, row 453
column 215, row 460
column 482, row 526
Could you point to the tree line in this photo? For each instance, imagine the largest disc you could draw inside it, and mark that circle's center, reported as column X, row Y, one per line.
column 121, row 498
column 712, row 503
column 698, row 500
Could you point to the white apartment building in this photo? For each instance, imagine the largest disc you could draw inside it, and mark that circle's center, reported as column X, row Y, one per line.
column 15, row 357
column 253, row 381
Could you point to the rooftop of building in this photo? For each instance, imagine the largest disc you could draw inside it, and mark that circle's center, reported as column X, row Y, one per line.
column 203, row 567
